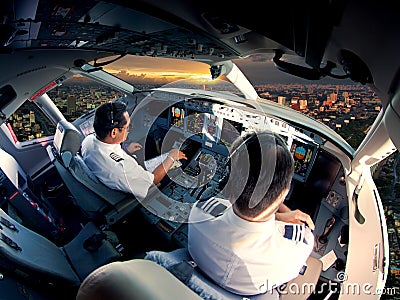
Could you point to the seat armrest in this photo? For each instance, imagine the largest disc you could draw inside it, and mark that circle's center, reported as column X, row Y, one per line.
column 85, row 261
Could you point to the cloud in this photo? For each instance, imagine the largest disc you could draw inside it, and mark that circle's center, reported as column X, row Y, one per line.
column 137, row 64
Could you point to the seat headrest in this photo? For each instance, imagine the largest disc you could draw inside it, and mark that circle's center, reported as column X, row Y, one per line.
column 135, row 279
column 67, row 138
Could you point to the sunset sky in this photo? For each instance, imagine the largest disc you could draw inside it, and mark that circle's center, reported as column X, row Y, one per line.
column 159, row 69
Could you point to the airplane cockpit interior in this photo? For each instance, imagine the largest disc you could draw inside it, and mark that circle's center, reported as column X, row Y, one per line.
column 204, row 128
column 64, row 234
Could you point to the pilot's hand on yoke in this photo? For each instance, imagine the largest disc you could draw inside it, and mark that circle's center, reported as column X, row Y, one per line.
column 176, row 154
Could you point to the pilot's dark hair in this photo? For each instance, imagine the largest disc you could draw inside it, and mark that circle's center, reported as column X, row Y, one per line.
column 261, row 169
column 108, row 116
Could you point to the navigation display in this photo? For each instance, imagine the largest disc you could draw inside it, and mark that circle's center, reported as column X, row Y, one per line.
column 195, row 122
column 230, row 131
column 302, row 155
column 177, row 116
column 212, row 127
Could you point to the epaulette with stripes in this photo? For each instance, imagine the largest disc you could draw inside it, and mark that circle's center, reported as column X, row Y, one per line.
column 295, row 232
column 212, row 206
column 116, row 157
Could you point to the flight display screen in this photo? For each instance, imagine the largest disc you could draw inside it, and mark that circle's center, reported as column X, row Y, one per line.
column 177, row 116
column 302, row 154
column 195, row 122
column 230, row 131
column 212, row 126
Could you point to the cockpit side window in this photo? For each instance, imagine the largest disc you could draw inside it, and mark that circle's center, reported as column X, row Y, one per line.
column 28, row 122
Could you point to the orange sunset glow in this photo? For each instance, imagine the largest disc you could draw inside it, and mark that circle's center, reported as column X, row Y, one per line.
column 160, row 70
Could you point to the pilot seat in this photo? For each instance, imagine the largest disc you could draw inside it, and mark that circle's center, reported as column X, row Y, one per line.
column 91, row 195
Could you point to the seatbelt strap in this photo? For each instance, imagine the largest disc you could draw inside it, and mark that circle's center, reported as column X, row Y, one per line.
column 183, row 270
column 10, row 242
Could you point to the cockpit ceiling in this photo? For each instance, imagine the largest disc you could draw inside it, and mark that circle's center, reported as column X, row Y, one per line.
column 102, row 26
column 181, row 29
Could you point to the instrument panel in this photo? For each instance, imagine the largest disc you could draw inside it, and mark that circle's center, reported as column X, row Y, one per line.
column 216, row 126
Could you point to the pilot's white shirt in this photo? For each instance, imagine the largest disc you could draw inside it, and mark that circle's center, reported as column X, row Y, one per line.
column 115, row 168
column 246, row 258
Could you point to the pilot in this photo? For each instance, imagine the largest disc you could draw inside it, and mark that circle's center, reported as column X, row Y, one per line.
column 252, row 243
column 106, row 158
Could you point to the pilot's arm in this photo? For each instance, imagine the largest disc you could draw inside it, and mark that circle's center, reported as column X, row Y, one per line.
column 285, row 214
column 133, row 147
column 162, row 169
